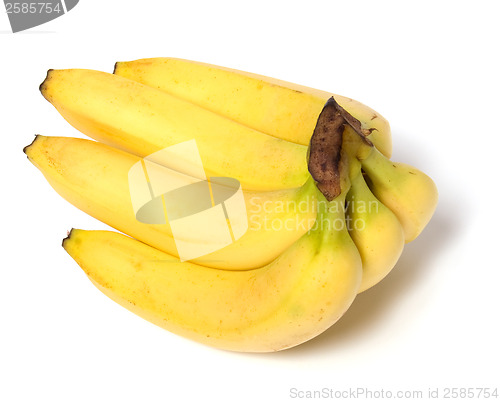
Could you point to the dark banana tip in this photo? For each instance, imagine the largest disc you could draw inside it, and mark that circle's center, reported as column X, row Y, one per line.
column 41, row 87
column 68, row 235
column 32, row 142
column 115, row 67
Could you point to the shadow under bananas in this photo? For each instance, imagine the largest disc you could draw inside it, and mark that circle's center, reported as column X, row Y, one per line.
column 368, row 309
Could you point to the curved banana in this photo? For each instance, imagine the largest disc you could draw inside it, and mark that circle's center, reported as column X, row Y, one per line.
column 142, row 120
column 94, row 177
column 377, row 233
column 293, row 299
column 307, row 270
column 278, row 108
column 409, row 193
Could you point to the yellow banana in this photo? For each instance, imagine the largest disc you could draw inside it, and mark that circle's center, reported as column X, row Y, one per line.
column 308, row 268
column 94, row 177
column 142, row 120
column 377, row 233
column 278, row 108
column 289, row 301
column 409, row 193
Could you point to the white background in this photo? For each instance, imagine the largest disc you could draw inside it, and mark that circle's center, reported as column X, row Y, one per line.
column 429, row 67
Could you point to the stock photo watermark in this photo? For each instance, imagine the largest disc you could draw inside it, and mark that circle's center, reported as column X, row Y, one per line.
column 364, row 393
column 27, row 14
column 292, row 214
column 204, row 214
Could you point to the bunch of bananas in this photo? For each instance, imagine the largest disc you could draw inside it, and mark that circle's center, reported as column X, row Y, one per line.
column 276, row 286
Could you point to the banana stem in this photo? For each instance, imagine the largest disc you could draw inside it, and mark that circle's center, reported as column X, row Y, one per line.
column 325, row 147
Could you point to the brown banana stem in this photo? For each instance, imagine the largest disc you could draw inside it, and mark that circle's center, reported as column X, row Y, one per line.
column 326, row 145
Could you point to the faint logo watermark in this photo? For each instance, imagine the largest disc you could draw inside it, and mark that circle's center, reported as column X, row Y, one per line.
column 26, row 14
column 204, row 214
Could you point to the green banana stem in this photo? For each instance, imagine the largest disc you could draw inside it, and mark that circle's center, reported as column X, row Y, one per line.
column 330, row 225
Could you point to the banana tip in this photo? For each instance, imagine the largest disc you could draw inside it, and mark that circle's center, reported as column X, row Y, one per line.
column 116, row 66
column 42, row 85
column 25, row 149
column 68, row 236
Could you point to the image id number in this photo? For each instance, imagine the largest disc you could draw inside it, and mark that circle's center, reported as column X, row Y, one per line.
column 33, row 8
column 470, row 393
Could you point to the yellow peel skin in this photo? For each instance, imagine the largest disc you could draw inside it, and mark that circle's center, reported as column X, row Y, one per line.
column 409, row 193
column 94, row 177
column 377, row 233
column 302, row 260
column 293, row 299
column 275, row 107
column 142, row 120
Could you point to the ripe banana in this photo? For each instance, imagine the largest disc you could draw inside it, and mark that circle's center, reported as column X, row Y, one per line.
column 409, row 193
column 360, row 207
column 377, row 233
column 278, row 108
column 142, row 120
column 94, row 177
column 285, row 303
